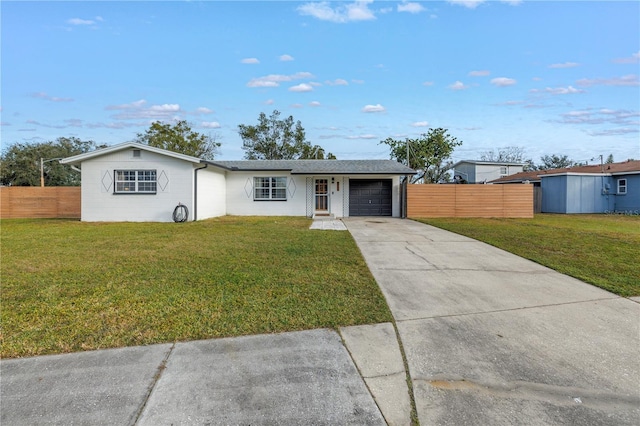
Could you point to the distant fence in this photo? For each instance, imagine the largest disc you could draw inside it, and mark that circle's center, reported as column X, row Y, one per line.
column 537, row 199
column 470, row 200
column 37, row 202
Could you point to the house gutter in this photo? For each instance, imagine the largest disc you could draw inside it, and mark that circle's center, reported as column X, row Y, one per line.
column 195, row 190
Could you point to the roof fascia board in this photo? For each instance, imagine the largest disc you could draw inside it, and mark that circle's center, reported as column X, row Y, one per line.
column 119, row 147
column 634, row 172
column 574, row 174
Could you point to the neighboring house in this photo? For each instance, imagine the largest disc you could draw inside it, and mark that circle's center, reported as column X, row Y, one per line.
column 136, row 182
column 598, row 188
column 484, row 171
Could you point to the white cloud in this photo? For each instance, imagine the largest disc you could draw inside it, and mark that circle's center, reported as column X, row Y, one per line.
column 165, row 108
column 274, row 80
column 78, row 21
column 602, row 116
column 314, row 103
column 286, row 58
column 210, row 124
column 302, row 87
column 633, row 59
column 297, row 106
column 570, row 90
column 250, row 61
column 203, row 110
column 565, row 65
column 480, row 73
column 428, row 83
column 625, row 80
column 615, row 132
column 366, row 136
column 373, row 108
column 357, row 81
column 137, row 110
column 458, row 85
column 337, row 82
column 45, row 96
column 503, row 81
column 269, row 102
column 315, row 84
column 262, row 83
column 132, row 105
column 410, row 7
column 471, row 4
column 420, row 124
column 356, row 11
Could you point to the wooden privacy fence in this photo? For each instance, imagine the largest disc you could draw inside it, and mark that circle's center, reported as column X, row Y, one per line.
column 37, row 202
column 470, row 200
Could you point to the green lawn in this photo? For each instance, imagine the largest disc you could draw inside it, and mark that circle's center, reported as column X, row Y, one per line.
column 603, row 250
column 71, row 286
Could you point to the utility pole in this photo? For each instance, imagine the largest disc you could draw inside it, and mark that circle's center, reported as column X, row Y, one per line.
column 42, row 161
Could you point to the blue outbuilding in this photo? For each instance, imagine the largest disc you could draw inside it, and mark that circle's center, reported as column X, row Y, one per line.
column 592, row 189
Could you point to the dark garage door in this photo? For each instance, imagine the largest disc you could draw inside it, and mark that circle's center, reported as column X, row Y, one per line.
column 369, row 197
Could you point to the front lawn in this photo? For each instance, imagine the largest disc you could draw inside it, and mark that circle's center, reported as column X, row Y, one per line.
column 603, row 250
column 71, row 286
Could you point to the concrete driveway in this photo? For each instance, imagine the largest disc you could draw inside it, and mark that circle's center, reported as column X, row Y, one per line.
column 491, row 338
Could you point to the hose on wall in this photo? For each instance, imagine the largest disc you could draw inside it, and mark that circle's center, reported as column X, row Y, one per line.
column 180, row 213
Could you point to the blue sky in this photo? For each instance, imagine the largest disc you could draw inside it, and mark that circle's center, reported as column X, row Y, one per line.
column 551, row 77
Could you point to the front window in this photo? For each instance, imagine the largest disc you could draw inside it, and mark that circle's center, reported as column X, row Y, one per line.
column 622, row 186
column 135, row 181
column 503, row 170
column 270, row 188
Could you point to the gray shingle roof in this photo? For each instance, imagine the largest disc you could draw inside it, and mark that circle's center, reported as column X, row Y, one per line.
column 316, row 167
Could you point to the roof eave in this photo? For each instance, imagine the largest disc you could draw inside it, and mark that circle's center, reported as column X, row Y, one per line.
column 76, row 159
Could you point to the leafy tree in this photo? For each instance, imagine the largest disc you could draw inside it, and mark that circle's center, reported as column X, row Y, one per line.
column 556, row 162
column 20, row 163
column 609, row 159
column 278, row 139
column 429, row 155
column 315, row 152
column 179, row 137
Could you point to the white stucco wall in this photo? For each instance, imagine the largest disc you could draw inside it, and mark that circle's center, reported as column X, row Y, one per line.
column 240, row 200
column 212, row 193
column 99, row 203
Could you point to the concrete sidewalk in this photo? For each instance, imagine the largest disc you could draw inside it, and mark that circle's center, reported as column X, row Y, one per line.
column 492, row 338
column 307, row 377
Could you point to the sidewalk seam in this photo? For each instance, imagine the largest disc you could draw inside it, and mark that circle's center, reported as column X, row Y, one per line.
column 514, row 309
column 415, row 420
column 156, row 378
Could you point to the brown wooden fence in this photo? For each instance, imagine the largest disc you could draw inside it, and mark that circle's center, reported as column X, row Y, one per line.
column 34, row 202
column 470, row 200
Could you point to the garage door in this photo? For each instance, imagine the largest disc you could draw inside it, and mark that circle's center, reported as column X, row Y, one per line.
column 369, row 197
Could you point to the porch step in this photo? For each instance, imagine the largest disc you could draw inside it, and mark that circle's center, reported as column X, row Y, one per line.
column 324, row 216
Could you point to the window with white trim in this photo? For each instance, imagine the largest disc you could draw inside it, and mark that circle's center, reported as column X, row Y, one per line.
column 503, row 170
column 270, row 188
column 135, row 182
column 622, row 186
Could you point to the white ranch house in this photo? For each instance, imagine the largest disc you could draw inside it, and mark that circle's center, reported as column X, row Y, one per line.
column 138, row 183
